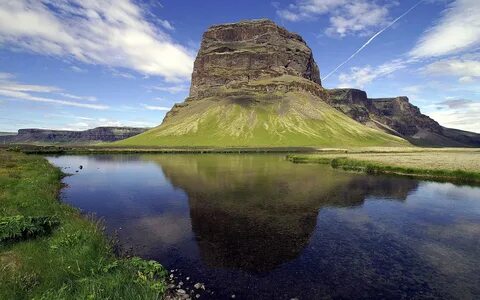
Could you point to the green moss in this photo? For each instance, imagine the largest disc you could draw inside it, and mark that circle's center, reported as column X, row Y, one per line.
column 48, row 251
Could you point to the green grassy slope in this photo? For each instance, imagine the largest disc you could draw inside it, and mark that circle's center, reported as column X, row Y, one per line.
column 260, row 120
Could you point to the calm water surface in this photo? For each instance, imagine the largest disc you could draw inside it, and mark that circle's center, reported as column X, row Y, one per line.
column 260, row 227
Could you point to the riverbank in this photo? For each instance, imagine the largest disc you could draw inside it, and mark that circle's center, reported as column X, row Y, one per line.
column 49, row 251
column 109, row 149
column 456, row 165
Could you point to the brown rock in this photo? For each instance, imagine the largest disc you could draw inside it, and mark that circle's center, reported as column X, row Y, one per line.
column 250, row 50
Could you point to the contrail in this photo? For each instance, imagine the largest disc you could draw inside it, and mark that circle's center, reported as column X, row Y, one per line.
column 372, row 38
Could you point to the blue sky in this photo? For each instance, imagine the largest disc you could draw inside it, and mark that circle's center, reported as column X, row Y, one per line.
column 81, row 64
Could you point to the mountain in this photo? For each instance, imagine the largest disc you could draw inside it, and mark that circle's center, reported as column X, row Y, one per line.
column 399, row 117
column 256, row 84
column 46, row 136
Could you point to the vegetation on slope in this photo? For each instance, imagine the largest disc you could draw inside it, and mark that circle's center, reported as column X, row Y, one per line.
column 261, row 120
column 48, row 251
column 461, row 166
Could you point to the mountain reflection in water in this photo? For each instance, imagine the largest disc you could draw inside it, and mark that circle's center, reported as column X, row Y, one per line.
column 260, row 227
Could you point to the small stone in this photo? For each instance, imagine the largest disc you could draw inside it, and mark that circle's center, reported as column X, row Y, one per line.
column 233, row 296
column 188, row 278
column 181, row 292
column 199, row 285
column 197, row 296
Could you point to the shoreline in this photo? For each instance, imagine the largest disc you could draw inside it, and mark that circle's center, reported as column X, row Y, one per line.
column 377, row 167
column 49, row 250
column 102, row 149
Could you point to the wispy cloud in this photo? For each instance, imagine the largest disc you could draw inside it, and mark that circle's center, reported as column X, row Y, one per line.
column 154, row 107
column 360, row 76
column 114, row 33
column 173, row 89
column 10, row 89
column 467, row 70
column 371, row 39
column 457, row 30
column 461, row 114
column 455, row 103
column 346, row 16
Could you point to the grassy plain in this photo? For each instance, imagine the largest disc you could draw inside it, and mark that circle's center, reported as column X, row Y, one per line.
column 437, row 163
column 49, row 251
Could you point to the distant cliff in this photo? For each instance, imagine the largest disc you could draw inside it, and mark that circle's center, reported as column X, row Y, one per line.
column 399, row 117
column 95, row 135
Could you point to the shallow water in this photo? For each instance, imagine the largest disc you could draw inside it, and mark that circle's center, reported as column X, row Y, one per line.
column 260, row 227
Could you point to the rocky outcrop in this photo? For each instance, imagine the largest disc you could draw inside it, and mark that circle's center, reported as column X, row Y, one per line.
column 398, row 116
column 46, row 136
column 250, row 50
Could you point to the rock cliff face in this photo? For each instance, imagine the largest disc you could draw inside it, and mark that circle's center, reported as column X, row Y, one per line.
column 247, row 51
column 99, row 134
column 398, row 116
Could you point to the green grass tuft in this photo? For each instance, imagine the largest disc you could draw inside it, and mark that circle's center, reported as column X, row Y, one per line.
column 19, row 227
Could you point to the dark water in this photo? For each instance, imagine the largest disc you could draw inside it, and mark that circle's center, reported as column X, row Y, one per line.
column 260, row 227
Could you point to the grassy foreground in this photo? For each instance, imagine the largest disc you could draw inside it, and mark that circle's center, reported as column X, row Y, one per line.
column 442, row 164
column 49, row 251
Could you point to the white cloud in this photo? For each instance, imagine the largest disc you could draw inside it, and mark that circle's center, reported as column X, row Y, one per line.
column 5, row 76
column 10, row 89
column 174, row 89
column 152, row 107
column 466, row 70
column 78, row 69
column 87, row 98
column 456, row 31
column 413, row 89
column 360, row 76
column 358, row 17
column 462, row 115
column 346, row 16
column 165, row 24
column 114, row 33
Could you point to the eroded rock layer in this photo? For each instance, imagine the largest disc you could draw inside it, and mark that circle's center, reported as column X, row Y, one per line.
column 47, row 136
column 246, row 51
column 398, row 116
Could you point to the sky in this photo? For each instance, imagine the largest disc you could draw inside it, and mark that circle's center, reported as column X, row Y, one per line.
column 79, row 64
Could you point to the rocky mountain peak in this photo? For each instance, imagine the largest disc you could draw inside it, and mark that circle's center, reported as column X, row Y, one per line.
column 237, row 53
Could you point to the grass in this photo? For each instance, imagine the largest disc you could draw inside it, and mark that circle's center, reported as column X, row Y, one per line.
column 291, row 119
column 461, row 165
column 49, row 251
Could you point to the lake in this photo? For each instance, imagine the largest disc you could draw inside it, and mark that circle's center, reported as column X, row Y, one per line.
column 261, row 227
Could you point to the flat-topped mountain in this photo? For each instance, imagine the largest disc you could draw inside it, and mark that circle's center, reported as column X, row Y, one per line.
column 255, row 84
column 47, row 136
